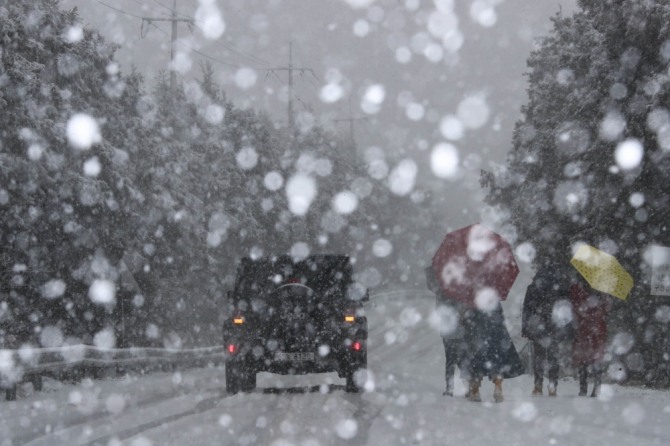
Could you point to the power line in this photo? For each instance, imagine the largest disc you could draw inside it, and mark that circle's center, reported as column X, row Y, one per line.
column 163, row 6
column 214, row 59
column 227, row 46
column 244, row 54
column 139, row 3
column 290, row 69
column 351, row 120
column 184, row 16
column 304, row 105
column 311, row 82
column 119, row 10
column 174, row 19
column 277, row 76
column 207, row 56
column 150, row 21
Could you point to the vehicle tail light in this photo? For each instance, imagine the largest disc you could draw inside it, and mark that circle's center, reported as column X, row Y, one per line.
column 238, row 320
column 232, row 349
column 357, row 346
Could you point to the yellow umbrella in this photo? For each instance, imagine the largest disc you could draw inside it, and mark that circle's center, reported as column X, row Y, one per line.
column 602, row 271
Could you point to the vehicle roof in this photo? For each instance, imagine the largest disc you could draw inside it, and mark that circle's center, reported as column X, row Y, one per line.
column 263, row 275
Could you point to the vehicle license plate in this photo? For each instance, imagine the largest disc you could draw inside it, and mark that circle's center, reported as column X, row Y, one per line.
column 298, row 356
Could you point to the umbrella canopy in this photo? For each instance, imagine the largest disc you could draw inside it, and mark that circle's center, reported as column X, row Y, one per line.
column 602, row 271
column 475, row 265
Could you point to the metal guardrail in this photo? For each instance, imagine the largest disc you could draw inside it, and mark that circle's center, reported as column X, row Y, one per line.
column 411, row 294
column 78, row 361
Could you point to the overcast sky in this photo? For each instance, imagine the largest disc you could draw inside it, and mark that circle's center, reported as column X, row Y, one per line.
column 360, row 51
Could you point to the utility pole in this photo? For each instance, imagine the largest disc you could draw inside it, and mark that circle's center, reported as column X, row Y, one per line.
column 351, row 119
column 173, row 45
column 173, row 38
column 290, row 70
column 290, row 85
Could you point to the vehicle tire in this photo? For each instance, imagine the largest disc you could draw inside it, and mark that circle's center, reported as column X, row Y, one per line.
column 232, row 378
column 350, row 375
column 248, row 380
column 10, row 393
column 351, row 385
column 37, row 382
column 239, row 377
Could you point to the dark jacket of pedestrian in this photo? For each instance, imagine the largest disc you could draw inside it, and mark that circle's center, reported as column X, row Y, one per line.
column 450, row 328
column 546, row 298
column 447, row 308
column 590, row 310
column 490, row 350
column 546, row 320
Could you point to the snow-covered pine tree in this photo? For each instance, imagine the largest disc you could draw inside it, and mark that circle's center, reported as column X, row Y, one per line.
column 66, row 207
column 591, row 153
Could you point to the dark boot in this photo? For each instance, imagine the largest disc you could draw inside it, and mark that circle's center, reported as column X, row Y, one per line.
column 450, row 389
column 537, row 388
column 551, row 388
column 497, row 391
column 583, row 375
column 473, row 393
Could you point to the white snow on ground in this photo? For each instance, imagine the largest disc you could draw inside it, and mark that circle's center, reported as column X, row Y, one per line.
column 406, row 406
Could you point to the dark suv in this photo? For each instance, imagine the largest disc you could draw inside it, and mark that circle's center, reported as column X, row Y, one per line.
column 295, row 317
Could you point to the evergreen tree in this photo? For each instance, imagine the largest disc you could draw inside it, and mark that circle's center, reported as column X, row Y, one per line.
column 598, row 99
column 66, row 212
column 177, row 187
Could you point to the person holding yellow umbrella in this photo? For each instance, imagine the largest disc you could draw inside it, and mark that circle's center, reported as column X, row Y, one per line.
column 601, row 274
column 590, row 310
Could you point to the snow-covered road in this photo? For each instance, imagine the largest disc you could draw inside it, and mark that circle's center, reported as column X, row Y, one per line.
column 403, row 405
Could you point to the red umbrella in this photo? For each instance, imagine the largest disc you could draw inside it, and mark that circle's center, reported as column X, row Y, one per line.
column 475, row 265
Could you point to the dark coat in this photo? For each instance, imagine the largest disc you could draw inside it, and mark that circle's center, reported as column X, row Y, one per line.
column 447, row 307
column 548, row 288
column 489, row 347
column 590, row 309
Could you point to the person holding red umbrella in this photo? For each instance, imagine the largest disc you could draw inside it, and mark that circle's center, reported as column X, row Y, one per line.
column 477, row 267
